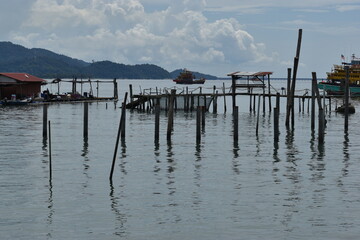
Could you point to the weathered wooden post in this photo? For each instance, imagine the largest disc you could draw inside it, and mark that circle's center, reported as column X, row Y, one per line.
column 276, row 124
column 269, row 92
column 346, row 102
column 276, row 118
column 115, row 89
column 321, row 125
column 215, row 102
column 250, row 95
column 224, row 92
column 86, row 119
column 123, row 116
column 50, row 160
column 97, row 88
column 258, row 115
column 131, row 95
column 171, row 114
column 121, row 123
column 203, row 111
column 263, row 100
column 233, row 87
column 157, row 120
column 236, row 124
column 254, row 103
column 198, row 125
column 45, row 120
column 313, row 86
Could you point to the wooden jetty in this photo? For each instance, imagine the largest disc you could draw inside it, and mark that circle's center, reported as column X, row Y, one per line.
column 75, row 95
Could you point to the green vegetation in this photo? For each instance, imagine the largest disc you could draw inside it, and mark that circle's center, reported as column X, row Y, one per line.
column 47, row 64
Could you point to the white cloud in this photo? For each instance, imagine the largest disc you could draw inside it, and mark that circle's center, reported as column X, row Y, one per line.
column 122, row 31
column 346, row 8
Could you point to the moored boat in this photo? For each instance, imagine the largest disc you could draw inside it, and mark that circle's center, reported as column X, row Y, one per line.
column 335, row 83
column 187, row 77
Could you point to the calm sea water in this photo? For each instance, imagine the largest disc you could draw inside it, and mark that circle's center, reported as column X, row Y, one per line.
column 296, row 189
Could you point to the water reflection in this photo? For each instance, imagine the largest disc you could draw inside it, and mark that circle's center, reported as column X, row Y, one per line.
column 84, row 154
column 292, row 198
column 346, row 163
column 50, row 203
column 170, row 168
column 196, row 200
column 120, row 217
column 123, row 157
column 235, row 162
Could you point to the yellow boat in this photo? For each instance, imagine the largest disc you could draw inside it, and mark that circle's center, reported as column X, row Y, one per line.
column 336, row 78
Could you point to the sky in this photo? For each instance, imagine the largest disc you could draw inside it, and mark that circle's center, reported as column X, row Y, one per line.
column 208, row 36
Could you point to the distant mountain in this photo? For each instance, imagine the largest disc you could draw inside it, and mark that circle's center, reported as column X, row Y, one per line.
column 176, row 73
column 46, row 64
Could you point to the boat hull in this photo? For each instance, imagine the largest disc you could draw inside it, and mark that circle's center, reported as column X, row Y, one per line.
column 200, row 81
column 337, row 89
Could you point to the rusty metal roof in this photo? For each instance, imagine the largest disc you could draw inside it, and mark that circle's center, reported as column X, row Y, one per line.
column 23, row 77
column 251, row 74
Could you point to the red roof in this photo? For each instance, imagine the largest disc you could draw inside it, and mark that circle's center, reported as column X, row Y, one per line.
column 23, row 77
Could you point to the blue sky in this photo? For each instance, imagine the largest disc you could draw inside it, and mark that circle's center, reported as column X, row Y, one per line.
column 210, row 36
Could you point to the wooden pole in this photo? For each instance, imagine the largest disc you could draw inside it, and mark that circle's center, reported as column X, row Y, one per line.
column 97, row 88
column 321, row 125
column 224, row 97
column 258, row 115
column 203, row 111
column 288, row 99
column 157, row 120
column 347, row 93
column 263, row 100
column 215, row 102
column 86, row 119
column 45, row 120
column 269, row 92
column 121, row 122
column 250, row 109
column 50, row 160
column 171, row 114
column 233, row 87
column 131, row 93
column 123, row 116
column 236, row 124
column 276, row 124
column 313, row 86
column 254, row 103
column 115, row 89
column 198, row 125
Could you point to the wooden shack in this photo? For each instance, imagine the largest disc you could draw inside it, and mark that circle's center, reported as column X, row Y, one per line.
column 21, row 85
